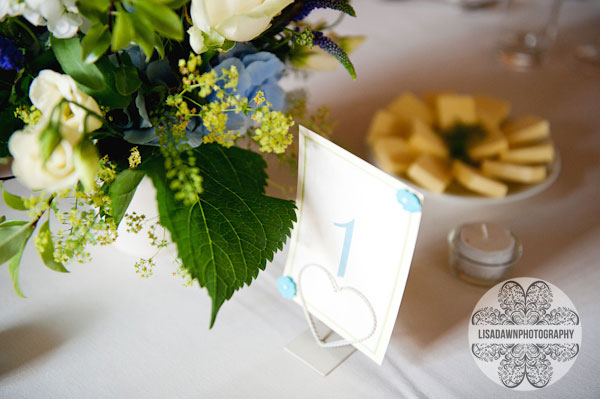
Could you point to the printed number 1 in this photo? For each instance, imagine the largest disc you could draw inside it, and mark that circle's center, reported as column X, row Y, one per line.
column 346, row 248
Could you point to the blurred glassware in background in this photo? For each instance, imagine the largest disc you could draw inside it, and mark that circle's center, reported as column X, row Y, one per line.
column 589, row 53
column 530, row 30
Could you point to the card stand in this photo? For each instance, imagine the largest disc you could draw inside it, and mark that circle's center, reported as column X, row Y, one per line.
column 322, row 360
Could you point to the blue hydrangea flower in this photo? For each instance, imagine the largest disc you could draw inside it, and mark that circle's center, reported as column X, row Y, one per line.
column 11, row 58
column 144, row 133
column 286, row 286
column 257, row 71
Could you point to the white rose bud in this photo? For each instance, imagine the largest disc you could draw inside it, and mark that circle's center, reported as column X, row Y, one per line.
column 50, row 87
column 59, row 170
column 235, row 20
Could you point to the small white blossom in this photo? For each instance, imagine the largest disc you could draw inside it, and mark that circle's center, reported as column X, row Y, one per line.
column 60, row 16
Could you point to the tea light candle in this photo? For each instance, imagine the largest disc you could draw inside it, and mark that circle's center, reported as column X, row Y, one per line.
column 483, row 253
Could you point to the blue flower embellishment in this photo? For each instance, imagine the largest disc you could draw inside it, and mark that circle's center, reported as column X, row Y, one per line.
column 409, row 201
column 287, row 287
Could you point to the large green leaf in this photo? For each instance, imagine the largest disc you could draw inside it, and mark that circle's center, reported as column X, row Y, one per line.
column 122, row 190
column 226, row 237
column 164, row 20
column 15, row 261
column 13, row 201
column 123, row 33
column 96, row 79
column 69, row 55
column 12, row 236
column 127, row 80
column 95, row 43
column 47, row 251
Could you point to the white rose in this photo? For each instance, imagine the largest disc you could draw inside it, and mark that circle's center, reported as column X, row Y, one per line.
column 237, row 20
column 59, row 171
column 50, row 87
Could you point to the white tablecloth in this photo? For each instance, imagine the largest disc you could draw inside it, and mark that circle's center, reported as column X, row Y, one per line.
column 102, row 332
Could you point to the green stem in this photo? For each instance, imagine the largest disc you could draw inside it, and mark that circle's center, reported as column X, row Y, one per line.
column 29, row 31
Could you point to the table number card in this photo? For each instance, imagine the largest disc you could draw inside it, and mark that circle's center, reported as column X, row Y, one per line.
column 352, row 246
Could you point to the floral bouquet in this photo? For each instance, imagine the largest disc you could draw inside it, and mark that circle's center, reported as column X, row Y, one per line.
column 97, row 94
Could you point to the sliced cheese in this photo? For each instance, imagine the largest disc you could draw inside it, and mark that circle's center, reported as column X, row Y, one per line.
column 385, row 124
column 407, row 107
column 493, row 144
column 423, row 139
column 454, row 108
column 430, row 172
column 393, row 154
column 475, row 181
column 491, row 111
column 431, row 97
column 539, row 153
column 514, row 173
column 526, row 129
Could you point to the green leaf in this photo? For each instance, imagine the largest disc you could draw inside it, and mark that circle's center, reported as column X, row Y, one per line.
column 68, row 54
column 175, row 4
column 95, row 43
column 98, row 5
column 12, row 236
column 226, row 237
column 123, row 33
column 144, row 36
column 122, row 190
column 109, row 96
column 87, row 163
column 159, row 46
column 47, row 253
column 49, row 140
column 127, row 80
column 15, row 261
column 164, row 20
column 9, row 223
column 13, row 201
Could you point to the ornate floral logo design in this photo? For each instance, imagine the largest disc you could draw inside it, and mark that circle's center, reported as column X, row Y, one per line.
column 525, row 334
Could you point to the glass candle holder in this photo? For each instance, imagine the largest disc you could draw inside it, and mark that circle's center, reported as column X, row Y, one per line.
column 483, row 253
column 530, row 30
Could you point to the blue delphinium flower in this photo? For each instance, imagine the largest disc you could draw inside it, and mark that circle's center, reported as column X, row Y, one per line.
column 11, row 58
column 319, row 39
column 309, row 5
column 257, row 72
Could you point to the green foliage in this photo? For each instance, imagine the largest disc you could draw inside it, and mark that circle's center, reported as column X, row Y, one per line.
column 87, row 163
column 143, row 22
column 97, row 80
column 95, row 43
column 94, row 10
column 228, row 235
column 13, row 201
column 122, row 190
column 127, row 80
column 13, row 237
column 45, row 247
column 49, row 140
column 15, row 261
column 12, row 234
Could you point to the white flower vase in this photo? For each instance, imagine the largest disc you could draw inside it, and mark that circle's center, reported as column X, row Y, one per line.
column 139, row 244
